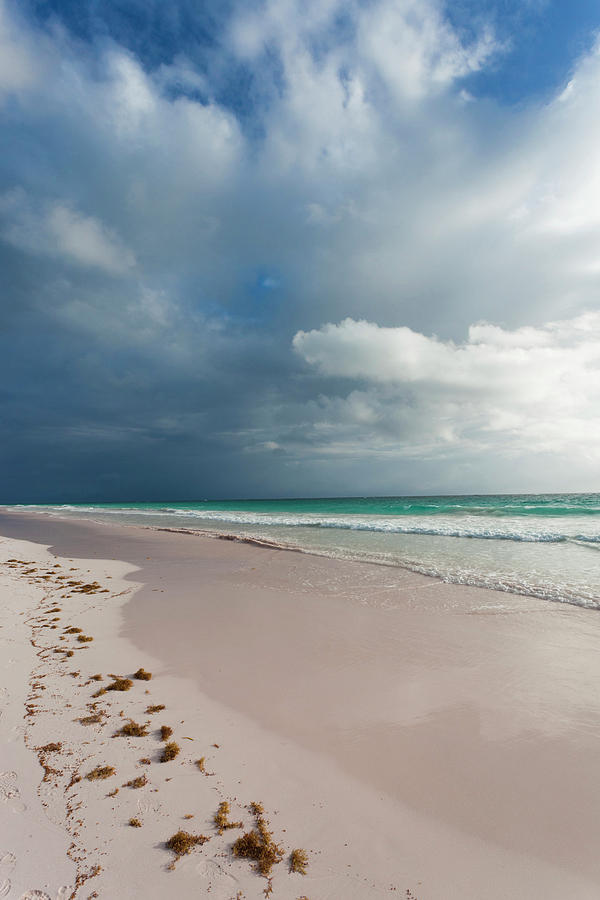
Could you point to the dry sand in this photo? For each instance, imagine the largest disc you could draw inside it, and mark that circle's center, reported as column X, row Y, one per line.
column 410, row 735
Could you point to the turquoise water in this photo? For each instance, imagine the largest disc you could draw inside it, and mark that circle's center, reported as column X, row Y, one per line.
column 525, row 505
column 544, row 545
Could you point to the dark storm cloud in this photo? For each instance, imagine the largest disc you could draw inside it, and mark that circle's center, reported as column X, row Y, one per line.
column 181, row 196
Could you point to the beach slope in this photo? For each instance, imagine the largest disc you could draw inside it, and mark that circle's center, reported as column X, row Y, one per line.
column 409, row 735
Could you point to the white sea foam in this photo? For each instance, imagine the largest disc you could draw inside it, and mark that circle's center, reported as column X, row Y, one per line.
column 513, row 583
column 534, row 529
column 541, row 556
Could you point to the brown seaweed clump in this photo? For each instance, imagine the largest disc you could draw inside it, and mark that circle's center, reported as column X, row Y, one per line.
column 84, row 638
column 158, row 707
column 258, row 844
column 298, row 861
column 73, row 630
column 100, row 772
column 200, row 763
column 79, row 588
column 142, row 675
column 182, row 842
column 165, row 732
column 118, row 684
column 132, row 729
column 170, row 751
column 93, row 719
column 221, row 818
column 135, row 823
column 138, row 782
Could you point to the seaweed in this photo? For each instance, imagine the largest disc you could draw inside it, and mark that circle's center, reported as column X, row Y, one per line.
column 84, row 638
column 132, row 729
column 142, row 675
column 200, row 763
column 118, row 684
column 298, row 861
column 138, row 782
column 221, row 818
column 165, row 732
column 94, row 719
column 258, row 844
column 135, row 823
column 100, row 772
column 170, row 751
column 154, row 709
column 73, row 630
column 79, row 588
column 182, row 842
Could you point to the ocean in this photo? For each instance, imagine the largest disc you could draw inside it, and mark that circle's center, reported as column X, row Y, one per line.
column 542, row 545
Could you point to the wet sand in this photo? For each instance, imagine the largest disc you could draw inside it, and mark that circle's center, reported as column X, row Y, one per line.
column 454, row 729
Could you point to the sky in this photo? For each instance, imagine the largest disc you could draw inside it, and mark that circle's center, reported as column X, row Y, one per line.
column 298, row 248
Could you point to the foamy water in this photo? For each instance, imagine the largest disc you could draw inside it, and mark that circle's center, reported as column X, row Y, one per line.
column 544, row 545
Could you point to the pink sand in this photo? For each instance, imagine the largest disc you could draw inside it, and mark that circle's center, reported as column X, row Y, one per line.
column 408, row 733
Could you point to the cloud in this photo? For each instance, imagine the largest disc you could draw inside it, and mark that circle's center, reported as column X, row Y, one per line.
column 509, row 390
column 86, row 241
column 185, row 214
column 414, row 49
column 55, row 229
column 19, row 62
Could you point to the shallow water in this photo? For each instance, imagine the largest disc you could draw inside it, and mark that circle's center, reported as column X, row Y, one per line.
column 545, row 545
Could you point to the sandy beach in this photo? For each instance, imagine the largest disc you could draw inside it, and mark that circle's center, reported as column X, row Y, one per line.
column 415, row 738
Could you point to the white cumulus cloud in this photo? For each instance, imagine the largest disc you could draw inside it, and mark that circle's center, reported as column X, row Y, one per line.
column 528, row 387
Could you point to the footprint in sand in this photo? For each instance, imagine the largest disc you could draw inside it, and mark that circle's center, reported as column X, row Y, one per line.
column 7, row 862
column 64, row 892
column 9, row 792
column 46, row 790
column 5, row 887
column 210, row 869
column 17, row 733
column 147, row 805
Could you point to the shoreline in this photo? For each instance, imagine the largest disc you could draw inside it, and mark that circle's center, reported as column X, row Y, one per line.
column 416, row 724
column 501, row 583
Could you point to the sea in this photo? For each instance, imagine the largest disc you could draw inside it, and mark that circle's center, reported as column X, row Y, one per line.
column 541, row 545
